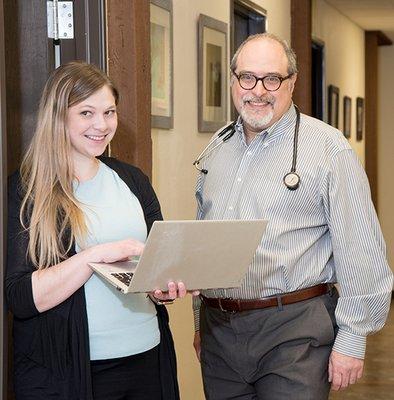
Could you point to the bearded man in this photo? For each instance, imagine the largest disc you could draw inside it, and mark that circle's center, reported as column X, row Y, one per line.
column 286, row 333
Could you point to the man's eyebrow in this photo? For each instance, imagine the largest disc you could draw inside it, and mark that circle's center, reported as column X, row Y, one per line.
column 267, row 74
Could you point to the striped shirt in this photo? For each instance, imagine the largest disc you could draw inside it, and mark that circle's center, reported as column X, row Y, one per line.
column 325, row 231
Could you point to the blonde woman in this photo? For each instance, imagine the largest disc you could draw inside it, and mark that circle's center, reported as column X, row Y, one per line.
column 75, row 336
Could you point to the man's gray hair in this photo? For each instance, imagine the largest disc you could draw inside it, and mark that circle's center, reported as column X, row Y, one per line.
column 290, row 54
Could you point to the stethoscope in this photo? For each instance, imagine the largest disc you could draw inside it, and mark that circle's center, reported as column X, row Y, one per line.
column 291, row 179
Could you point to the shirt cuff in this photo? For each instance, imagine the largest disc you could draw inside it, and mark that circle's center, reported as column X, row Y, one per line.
column 350, row 344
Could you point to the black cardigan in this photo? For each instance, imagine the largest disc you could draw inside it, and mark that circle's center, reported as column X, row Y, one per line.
column 51, row 349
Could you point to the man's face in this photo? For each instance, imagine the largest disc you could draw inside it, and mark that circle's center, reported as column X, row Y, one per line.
column 258, row 107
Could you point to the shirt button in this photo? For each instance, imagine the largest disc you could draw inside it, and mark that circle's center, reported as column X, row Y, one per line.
column 239, row 180
column 231, row 208
column 265, row 145
column 248, row 153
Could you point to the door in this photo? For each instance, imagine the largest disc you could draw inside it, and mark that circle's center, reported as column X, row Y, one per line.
column 318, row 79
column 30, row 57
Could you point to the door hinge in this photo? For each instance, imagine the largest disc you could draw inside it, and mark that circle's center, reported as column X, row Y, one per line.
column 60, row 17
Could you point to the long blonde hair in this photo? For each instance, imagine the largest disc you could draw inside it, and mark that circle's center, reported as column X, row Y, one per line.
column 50, row 212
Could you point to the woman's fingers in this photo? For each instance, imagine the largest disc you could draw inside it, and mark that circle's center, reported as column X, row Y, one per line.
column 117, row 251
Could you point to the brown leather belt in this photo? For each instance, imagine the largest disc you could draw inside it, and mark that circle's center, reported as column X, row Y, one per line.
column 236, row 305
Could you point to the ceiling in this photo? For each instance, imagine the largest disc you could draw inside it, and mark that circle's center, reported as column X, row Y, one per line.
column 376, row 15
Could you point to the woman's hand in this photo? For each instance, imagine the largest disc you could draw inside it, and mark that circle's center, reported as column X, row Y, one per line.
column 51, row 286
column 116, row 251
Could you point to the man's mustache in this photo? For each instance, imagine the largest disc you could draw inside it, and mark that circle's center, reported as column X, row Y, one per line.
column 259, row 99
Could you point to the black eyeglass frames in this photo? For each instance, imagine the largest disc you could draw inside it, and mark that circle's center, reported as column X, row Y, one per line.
column 271, row 83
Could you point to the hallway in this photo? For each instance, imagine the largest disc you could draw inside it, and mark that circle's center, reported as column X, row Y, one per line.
column 378, row 380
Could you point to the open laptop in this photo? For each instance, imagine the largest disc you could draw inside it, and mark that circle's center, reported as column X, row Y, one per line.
column 202, row 254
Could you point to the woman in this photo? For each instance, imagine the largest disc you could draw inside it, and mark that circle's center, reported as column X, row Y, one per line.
column 75, row 336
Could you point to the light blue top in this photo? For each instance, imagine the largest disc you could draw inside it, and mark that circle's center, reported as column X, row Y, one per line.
column 119, row 325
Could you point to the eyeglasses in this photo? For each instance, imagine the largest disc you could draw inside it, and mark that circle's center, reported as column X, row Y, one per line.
column 270, row 82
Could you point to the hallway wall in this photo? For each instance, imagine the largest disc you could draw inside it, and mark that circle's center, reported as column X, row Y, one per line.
column 386, row 146
column 175, row 150
column 344, row 60
column 345, row 68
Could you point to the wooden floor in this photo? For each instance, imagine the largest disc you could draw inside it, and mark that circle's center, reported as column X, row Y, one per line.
column 378, row 380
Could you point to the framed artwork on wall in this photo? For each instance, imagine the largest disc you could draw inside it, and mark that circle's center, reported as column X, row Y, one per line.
column 333, row 105
column 359, row 118
column 212, row 74
column 162, row 102
column 347, row 116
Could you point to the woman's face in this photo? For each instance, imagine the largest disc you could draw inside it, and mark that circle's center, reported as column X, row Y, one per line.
column 91, row 124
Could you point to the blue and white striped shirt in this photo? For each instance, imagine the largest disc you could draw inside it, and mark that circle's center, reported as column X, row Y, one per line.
column 325, row 231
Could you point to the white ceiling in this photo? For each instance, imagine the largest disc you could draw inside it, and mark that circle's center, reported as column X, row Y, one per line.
column 369, row 14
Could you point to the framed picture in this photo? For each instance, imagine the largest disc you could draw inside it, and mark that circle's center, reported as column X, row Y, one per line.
column 212, row 74
column 161, row 64
column 347, row 116
column 359, row 118
column 333, row 105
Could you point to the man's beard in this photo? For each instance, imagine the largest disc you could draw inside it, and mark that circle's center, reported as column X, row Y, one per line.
column 253, row 119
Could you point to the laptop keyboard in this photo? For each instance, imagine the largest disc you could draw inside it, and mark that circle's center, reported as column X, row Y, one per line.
column 124, row 277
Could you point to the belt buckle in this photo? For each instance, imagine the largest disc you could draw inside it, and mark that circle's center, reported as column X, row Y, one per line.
column 220, row 299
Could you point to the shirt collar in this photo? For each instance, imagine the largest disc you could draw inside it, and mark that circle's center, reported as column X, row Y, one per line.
column 277, row 129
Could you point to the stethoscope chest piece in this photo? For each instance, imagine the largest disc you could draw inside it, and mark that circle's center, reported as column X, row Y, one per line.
column 292, row 180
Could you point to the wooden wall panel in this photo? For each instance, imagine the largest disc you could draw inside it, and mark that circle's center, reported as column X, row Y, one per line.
column 3, row 214
column 128, row 39
column 371, row 109
column 301, row 42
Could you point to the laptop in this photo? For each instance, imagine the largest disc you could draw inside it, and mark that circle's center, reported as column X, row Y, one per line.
column 202, row 254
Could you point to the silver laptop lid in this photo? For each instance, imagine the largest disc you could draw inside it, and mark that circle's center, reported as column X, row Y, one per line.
column 202, row 254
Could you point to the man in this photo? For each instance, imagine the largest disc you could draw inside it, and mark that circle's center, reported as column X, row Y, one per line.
column 285, row 334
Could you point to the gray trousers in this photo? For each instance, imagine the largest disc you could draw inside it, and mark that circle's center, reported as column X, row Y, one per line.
column 277, row 353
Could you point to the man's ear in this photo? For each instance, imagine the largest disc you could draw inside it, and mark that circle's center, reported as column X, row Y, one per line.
column 292, row 82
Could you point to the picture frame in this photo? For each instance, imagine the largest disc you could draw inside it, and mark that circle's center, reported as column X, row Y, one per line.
column 347, row 116
column 359, row 118
column 212, row 74
column 161, row 42
column 333, row 106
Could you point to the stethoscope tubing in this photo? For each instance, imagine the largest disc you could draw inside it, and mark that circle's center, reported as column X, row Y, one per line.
column 291, row 179
column 228, row 131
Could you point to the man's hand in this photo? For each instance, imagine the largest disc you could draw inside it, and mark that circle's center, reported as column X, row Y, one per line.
column 197, row 344
column 344, row 370
column 175, row 290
